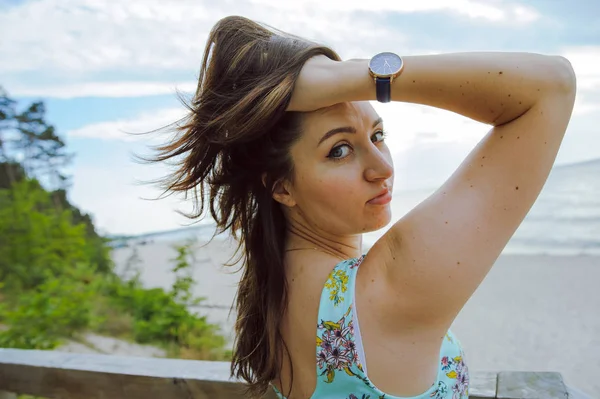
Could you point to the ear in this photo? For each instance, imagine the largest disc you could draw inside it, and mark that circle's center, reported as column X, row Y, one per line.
column 281, row 192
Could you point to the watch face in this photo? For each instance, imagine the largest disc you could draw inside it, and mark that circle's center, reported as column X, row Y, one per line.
column 384, row 64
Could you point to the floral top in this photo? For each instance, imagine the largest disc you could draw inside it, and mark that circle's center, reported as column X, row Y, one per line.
column 340, row 359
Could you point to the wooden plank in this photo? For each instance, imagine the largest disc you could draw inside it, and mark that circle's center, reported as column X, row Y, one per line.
column 75, row 376
column 53, row 374
column 531, row 385
column 482, row 385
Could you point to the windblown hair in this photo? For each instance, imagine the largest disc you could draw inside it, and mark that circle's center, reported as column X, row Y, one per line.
column 230, row 151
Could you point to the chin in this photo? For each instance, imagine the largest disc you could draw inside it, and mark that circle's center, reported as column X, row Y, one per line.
column 379, row 221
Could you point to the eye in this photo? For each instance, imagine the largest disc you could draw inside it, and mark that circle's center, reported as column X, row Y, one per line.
column 378, row 136
column 339, row 152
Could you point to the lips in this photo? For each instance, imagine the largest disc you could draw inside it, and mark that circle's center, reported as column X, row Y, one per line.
column 383, row 192
column 384, row 197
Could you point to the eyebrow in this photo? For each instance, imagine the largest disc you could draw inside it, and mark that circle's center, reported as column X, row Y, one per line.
column 345, row 129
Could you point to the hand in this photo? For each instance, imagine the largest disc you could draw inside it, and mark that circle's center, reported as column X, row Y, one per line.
column 318, row 85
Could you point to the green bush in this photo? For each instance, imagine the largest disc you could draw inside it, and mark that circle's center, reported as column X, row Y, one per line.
column 163, row 317
column 45, row 269
column 53, row 289
column 54, row 310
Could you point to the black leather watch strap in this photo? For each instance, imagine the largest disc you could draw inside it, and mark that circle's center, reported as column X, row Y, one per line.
column 383, row 90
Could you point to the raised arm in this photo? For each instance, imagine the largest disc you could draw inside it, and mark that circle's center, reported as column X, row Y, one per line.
column 432, row 260
column 438, row 254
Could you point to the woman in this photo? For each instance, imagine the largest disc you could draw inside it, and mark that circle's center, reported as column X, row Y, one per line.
column 284, row 148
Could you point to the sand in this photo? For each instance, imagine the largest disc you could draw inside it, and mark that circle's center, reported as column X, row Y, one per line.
column 90, row 343
column 532, row 313
column 537, row 313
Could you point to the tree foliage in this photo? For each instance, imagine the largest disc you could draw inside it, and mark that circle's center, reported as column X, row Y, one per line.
column 56, row 275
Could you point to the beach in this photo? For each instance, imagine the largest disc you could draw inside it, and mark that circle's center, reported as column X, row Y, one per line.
column 531, row 313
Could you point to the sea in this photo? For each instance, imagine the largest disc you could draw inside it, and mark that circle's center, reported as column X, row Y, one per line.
column 565, row 219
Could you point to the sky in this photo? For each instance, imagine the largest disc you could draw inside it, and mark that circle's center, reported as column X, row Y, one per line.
column 109, row 68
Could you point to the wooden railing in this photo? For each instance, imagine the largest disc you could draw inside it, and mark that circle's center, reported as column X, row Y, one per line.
column 51, row 374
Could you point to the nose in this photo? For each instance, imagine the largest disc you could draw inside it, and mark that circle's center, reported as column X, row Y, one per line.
column 379, row 166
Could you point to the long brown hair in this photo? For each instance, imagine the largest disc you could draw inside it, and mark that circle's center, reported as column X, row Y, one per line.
column 230, row 151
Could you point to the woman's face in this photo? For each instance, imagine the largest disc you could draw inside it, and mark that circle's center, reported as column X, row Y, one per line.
column 343, row 171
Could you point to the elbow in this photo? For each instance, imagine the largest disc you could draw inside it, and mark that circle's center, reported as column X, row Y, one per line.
column 563, row 76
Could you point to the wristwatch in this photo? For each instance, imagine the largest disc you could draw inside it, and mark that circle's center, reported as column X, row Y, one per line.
column 384, row 68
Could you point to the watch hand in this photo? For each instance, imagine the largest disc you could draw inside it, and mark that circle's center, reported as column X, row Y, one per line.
column 386, row 63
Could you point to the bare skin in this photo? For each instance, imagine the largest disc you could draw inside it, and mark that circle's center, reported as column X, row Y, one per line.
column 419, row 275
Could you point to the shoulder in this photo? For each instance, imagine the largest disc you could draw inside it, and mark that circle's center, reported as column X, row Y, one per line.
column 319, row 281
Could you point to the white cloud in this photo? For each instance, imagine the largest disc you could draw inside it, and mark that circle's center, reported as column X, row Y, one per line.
column 104, row 89
column 121, row 129
column 411, row 125
column 82, row 37
column 583, row 106
column 524, row 14
column 122, row 206
column 508, row 13
column 88, row 36
column 586, row 62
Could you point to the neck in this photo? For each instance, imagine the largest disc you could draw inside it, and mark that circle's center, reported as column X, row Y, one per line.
column 302, row 236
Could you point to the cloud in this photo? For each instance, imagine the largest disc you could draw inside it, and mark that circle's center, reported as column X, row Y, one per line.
column 121, row 129
column 120, row 89
column 89, row 36
column 120, row 205
column 500, row 12
column 410, row 126
column 585, row 61
column 83, row 37
column 584, row 106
